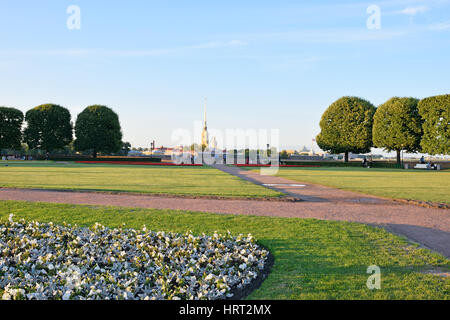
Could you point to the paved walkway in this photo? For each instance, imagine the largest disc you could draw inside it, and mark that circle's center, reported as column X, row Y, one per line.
column 307, row 192
column 427, row 226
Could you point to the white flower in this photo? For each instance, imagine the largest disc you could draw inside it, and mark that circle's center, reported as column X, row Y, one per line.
column 102, row 263
column 6, row 296
column 66, row 295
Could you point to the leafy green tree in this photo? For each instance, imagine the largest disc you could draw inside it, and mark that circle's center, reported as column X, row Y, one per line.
column 196, row 146
column 48, row 127
column 98, row 129
column 397, row 126
column 126, row 147
column 11, row 121
column 284, row 154
column 435, row 112
column 346, row 126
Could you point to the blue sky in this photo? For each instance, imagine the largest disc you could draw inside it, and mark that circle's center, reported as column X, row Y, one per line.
column 262, row 64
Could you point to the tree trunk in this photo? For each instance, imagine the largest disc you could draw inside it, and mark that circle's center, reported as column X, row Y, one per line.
column 346, row 157
column 399, row 160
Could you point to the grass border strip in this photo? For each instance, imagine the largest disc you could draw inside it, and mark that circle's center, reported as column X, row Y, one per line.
column 164, row 195
column 425, row 204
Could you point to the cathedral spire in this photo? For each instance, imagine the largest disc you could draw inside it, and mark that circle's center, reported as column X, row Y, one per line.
column 205, row 125
column 205, row 136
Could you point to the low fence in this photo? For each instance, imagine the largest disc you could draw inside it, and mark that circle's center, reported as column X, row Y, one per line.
column 104, row 159
column 373, row 164
column 147, row 163
column 281, row 165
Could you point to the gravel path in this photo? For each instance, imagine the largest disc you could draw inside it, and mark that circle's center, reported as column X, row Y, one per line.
column 427, row 226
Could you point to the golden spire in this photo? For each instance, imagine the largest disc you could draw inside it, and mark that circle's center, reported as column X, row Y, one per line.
column 205, row 125
column 205, row 137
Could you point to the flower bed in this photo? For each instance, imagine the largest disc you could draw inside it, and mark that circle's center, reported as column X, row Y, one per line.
column 48, row 261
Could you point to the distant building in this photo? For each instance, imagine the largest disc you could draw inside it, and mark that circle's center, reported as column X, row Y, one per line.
column 162, row 151
column 305, row 151
column 290, row 151
column 135, row 153
column 304, row 157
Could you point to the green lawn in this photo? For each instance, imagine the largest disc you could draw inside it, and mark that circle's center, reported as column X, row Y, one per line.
column 391, row 183
column 128, row 178
column 313, row 259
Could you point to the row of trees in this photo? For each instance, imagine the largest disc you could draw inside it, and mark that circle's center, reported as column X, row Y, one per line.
column 49, row 127
column 352, row 124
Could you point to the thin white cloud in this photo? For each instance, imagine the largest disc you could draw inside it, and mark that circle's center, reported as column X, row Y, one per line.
column 347, row 35
column 412, row 11
column 132, row 53
column 219, row 44
column 68, row 52
column 440, row 26
column 160, row 52
column 289, row 63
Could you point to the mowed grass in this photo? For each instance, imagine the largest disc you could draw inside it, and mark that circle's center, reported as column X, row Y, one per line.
column 391, row 183
column 314, row 259
column 129, row 178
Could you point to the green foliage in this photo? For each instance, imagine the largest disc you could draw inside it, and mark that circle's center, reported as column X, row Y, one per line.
column 11, row 121
column 98, row 129
column 346, row 126
column 126, row 147
column 48, row 127
column 435, row 112
column 397, row 125
column 284, row 154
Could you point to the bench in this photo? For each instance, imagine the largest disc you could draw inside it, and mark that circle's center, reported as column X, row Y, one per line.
column 422, row 166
